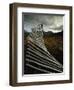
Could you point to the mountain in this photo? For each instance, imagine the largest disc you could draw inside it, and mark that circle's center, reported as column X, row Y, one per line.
column 50, row 33
column 54, row 44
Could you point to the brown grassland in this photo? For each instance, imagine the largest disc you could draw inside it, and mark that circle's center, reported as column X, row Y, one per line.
column 54, row 45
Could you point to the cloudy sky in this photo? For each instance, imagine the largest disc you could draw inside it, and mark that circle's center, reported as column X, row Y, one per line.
column 50, row 22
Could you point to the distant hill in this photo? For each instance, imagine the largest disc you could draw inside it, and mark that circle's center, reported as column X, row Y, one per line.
column 49, row 33
column 26, row 33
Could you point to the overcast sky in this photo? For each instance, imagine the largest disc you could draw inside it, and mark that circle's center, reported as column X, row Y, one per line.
column 50, row 22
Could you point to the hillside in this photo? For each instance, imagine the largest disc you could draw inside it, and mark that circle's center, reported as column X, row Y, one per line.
column 54, row 44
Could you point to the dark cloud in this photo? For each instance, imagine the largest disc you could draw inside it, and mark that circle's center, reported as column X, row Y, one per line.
column 49, row 21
